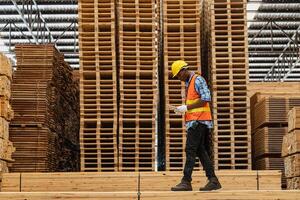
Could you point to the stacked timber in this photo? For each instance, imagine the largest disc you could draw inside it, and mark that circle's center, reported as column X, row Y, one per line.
column 181, row 28
column 98, row 86
column 269, row 125
column 138, row 86
column 6, row 113
column 291, row 149
column 226, row 57
column 46, row 102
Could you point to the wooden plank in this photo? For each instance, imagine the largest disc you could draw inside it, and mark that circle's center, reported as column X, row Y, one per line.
column 292, row 165
column 294, row 119
column 293, row 183
column 287, row 88
column 128, row 181
column 78, row 181
column 68, row 195
column 291, row 143
column 4, row 126
column 5, row 66
column 224, row 195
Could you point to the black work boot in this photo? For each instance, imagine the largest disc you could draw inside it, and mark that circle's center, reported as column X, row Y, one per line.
column 213, row 184
column 183, row 186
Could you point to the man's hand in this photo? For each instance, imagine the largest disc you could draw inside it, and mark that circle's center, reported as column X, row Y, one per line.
column 180, row 109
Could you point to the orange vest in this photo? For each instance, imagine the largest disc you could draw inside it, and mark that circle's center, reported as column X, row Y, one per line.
column 201, row 113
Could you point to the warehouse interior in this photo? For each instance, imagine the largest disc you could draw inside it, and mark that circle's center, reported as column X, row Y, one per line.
column 87, row 97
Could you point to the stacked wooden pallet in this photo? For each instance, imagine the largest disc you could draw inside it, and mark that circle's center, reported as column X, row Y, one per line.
column 98, row 85
column 291, row 149
column 228, row 63
column 138, row 86
column 181, row 28
column 6, row 113
column 46, row 124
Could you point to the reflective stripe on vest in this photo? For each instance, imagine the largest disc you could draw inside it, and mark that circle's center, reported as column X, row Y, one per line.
column 201, row 113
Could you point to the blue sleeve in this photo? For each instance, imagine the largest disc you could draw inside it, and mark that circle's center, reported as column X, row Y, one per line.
column 202, row 88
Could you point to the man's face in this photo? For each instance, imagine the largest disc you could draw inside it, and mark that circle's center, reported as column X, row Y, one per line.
column 182, row 75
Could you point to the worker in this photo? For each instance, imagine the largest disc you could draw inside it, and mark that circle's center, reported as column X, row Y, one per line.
column 198, row 121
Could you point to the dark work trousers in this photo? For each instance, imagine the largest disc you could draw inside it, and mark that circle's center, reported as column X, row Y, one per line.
column 195, row 147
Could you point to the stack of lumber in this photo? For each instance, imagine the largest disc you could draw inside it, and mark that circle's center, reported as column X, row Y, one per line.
column 227, row 59
column 269, row 124
column 98, row 86
column 181, row 28
column 46, row 102
column 138, row 85
column 291, row 149
column 6, row 113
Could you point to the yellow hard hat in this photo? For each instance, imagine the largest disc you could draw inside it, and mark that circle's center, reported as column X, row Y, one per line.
column 177, row 66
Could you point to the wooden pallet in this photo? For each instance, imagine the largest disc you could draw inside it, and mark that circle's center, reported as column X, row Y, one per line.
column 182, row 40
column 98, row 78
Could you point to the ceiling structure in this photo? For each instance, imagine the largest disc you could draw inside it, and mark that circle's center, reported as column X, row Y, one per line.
column 273, row 31
column 274, row 39
column 38, row 22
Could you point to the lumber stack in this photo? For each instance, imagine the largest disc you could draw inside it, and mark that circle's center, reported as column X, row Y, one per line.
column 291, row 149
column 181, row 28
column 6, row 113
column 138, row 85
column 227, row 59
column 269, row 125
column 98, row 85
column 46, row 124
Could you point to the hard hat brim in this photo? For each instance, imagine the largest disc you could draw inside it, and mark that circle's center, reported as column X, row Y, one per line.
column 185, row 67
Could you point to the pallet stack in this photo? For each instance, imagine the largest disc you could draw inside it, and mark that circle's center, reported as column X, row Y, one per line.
column 181, row 28
column 138, row 85
column 98, row 85
column 291, row 149
column 6, row 113
column 46, row 123
column 269, row 125
column 228, row 64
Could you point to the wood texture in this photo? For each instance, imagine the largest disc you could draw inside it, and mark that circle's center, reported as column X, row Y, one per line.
column 291, row 143
column 129, row 181
column 294, row 119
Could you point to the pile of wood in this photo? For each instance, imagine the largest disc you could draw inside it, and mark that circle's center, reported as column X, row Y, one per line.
column 138, row 86
column 269, row 125
column 291, row 149
column 182, row 39
column 6, row 113
column 46, row 102
column 225, row 54
column 98, row 86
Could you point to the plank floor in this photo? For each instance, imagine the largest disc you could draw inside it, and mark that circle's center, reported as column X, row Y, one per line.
column 224, row 195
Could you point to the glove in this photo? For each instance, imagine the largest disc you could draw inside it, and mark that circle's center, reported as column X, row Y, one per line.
column 180, row 109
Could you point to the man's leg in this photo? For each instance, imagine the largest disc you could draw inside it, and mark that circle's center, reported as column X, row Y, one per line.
column 192, row 143
column 203, row 155
column 206, row 162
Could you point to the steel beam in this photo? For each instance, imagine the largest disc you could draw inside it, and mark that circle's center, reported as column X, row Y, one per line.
column 24, row 20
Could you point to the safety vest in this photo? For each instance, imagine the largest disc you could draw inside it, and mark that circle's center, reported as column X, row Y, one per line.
column 201, row 113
